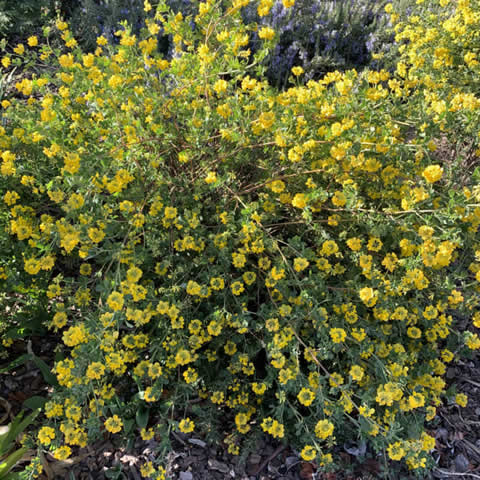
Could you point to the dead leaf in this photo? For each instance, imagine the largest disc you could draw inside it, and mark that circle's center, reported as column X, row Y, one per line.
column 306, row 472
column 46, row 466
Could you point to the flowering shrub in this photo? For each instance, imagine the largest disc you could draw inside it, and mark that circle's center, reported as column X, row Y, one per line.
column 292, row 260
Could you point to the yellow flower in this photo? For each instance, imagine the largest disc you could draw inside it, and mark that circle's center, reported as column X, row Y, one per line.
column 239, row 260
column 277, row 186
column 32, row 41
column 431, row 413
column 299, row 200
column 147, row 6
column 428, row 442
column 259, row 388
column 297, row 71
column 62, row 453
column 95, row 370
column 476, row 318
column 85, row 269
column 183, row 357
column 329, row 247
column 75, row 336
column 472, row 341
column 306, row 397
column 114, row 424
column 249, row 277
column 266, row 33
column 186, row 425
column 354, row 244
column 276, row 430
column 323, row 429
column 61, row 25
column 374, row 244
column 461, row 399
column 148, row 395
column 220, row 86
column 368, row 296
column 396, row 451
column 115, row 301
column 288, row 3
column 237, row 288
column 416, row 400
column 19, row 49
column 308, row 453
column 357, row 372
column 272, row 324
column 46, row 435
column 96, row 235
column 300, row 264
column 338, row 335
column 59, row 319
column 414, row 332
column 147, row 470
column 433, row 173
column 147, row 434
column 339, row 199
column 211, row 177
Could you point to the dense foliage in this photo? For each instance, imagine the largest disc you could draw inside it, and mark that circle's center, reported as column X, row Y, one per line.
column 20, row 18
column 294, row 259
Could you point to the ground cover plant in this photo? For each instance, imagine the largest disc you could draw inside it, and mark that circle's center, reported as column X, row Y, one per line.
column 213, row 251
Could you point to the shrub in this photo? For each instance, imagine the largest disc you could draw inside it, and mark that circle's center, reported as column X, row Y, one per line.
column 26, row 17
column 320, row 36
column 293, row 261
column 90, row 18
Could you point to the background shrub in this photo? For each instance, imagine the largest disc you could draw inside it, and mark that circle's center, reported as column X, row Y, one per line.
column 322, row 36
column 91, row 18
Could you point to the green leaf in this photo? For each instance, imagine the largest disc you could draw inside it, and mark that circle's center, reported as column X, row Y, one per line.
column 15, row 363
column 49, row 377
column 128, row 426
column 18, row 425
column 142, row 416
column 36, row 402
column 12, row 476
column 11, row 461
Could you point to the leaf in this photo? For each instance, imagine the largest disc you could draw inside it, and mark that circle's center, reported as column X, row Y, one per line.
column 10, row 462
column 47, row 374
column 36, row 402
column 12, row 476
column 128, row 426
column 142, row 416
column 15, row 363
column 18, row 425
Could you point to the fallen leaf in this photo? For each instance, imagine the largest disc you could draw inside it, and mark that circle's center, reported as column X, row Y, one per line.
column 306, row 472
